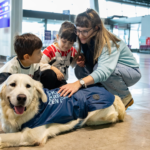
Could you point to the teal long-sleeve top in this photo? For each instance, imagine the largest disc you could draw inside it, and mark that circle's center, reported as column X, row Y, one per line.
column 107, row 62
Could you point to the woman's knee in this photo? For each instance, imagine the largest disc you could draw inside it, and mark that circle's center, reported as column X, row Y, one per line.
column 81, row 72
column 135, row 77
column 129, row 75
column 139, row 75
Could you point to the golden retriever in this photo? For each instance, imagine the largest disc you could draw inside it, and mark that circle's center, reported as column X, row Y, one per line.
column 31, row 91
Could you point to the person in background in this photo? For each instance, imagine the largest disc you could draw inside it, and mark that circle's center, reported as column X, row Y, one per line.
column 108, row 60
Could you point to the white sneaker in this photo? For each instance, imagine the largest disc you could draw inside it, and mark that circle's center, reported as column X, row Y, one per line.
column 128, row 101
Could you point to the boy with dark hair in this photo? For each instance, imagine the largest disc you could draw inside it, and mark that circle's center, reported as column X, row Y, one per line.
column 28, row 49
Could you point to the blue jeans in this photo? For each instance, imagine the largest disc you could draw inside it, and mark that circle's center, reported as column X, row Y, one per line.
column 118, row 82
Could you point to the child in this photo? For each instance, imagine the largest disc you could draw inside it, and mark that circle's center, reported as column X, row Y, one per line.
column 59, row 56
column 28, row 49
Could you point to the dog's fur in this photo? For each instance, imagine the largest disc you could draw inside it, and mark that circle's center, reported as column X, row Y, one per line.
column 11, row 122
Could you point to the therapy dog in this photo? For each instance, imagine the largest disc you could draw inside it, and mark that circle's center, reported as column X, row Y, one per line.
column 23, row 99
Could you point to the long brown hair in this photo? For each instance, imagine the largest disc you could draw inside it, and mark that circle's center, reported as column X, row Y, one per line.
column 90, row 18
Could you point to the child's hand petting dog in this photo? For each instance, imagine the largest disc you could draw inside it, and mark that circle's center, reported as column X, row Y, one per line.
column 59, row 74
column 81, row 60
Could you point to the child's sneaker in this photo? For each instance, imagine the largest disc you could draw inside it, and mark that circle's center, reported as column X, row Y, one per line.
column 128, row 101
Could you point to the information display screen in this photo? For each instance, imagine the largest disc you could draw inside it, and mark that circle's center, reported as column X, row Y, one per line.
column 5, row 14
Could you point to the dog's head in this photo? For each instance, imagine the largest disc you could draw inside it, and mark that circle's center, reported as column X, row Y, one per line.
column 19, row 90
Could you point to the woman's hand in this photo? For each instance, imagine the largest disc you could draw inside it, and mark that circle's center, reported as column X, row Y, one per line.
column 81, row 60
column 74, row 87
column 69, row 88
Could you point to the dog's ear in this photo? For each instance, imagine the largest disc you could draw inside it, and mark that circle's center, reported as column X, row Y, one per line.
column 2, row 90
column 38, row 86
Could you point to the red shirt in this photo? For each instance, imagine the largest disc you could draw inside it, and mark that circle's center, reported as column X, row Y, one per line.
column 60, row 59
column 51, row 50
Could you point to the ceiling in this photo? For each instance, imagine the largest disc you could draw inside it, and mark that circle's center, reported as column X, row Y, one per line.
column 144, row 3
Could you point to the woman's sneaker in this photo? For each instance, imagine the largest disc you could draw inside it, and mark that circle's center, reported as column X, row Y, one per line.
column 128, row 101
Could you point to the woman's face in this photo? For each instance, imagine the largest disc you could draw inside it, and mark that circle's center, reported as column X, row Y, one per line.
column 84, row 33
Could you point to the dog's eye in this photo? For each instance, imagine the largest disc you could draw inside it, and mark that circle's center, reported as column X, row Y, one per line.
column 13, row 84
column 28, row 86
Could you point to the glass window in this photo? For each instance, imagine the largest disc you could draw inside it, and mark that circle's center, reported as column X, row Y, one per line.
column 121, row 33
column 134, row 27
column 103, row 8
column 128, row 10
column 108, row 9
column 134, row 40
column 126, row 36
column 53, row 26
column 111, row 9
column 35, row 26
column 135, row 34
column 141, row 11
column 57, row 6
column 115, row 31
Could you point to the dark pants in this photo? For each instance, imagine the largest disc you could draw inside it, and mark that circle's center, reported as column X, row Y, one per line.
column 49, row 80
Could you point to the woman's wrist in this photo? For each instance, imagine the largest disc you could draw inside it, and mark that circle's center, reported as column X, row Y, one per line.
column 78, row 84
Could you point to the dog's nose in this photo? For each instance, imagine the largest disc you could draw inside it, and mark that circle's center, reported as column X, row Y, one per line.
column 21, row 98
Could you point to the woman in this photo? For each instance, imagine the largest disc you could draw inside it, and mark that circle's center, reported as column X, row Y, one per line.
column 108, row 60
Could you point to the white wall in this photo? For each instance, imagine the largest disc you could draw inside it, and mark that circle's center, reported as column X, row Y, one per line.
column 145, row 29
column 145, row 26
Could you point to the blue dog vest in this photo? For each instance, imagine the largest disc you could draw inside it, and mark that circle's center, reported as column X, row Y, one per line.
column 59, row 109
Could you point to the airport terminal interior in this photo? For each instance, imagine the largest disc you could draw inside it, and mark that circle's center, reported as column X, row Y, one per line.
column 129, row 20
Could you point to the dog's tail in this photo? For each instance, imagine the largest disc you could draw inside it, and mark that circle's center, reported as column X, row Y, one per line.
column 120, row 108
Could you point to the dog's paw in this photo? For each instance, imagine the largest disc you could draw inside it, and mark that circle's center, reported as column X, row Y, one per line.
column 3, row 144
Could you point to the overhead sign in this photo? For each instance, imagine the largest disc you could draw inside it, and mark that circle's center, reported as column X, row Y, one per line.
column 47, row 35
column 5, row 14
column 66, row 12
column 148, row 41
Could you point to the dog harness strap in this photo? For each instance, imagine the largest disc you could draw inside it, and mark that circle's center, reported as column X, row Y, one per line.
column 64, row 109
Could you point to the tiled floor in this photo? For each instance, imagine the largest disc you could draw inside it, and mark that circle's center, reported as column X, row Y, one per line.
column 132, row 134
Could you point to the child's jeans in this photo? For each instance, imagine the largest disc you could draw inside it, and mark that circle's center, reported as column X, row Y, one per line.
column 118, row 82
